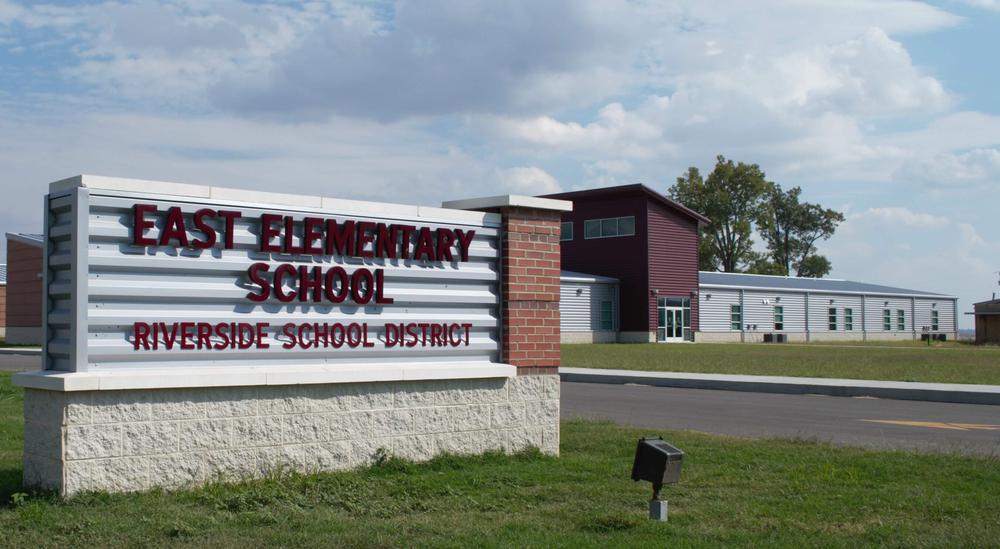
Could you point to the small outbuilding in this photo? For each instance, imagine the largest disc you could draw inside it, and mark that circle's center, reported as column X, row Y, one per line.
column 987, row 321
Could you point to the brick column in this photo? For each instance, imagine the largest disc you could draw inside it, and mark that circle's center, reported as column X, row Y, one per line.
column 529, row 283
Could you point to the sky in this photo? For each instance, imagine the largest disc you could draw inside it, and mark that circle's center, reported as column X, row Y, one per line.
column 885, row 110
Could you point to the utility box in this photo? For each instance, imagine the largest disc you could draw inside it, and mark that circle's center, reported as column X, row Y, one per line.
column 658, row 462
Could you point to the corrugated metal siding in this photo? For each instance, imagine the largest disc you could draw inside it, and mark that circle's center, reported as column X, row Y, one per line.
column 580, row 305
column 127, row 284
column 819, row 305
column 762, row 314
column 715, row 307
column 672, row 246
column 945, row 309
column 624, row 257
column 876, row 304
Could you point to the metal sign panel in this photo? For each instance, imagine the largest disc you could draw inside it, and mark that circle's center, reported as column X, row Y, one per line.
column 143, row 274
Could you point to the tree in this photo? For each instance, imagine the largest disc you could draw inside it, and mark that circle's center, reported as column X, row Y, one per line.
column 814, row 266
column 791, row 228
column 731, row 198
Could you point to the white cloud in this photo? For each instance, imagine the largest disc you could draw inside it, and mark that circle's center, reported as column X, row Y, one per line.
column 992, row 5
column 529, row 180
column 895, row 216
column 975, row 169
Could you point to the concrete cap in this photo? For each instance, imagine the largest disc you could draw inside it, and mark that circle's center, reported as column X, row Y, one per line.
column 509, row 200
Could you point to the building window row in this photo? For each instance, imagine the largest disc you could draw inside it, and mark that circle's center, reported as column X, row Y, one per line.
column 609, row 227
column 736, row 319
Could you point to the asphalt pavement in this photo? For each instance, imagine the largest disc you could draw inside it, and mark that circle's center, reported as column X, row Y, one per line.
column 855, row 421
column 13, row 360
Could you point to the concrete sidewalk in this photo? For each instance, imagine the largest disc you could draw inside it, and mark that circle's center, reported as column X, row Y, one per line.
column 901, row 390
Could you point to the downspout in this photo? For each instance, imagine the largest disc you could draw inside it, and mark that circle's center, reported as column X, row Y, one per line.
column 808, row 338
column 743, row 317
column 864, row 317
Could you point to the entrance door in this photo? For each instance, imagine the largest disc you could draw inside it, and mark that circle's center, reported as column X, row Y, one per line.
column 672, row 320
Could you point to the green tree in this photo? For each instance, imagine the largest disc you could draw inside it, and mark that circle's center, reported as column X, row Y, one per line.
column 814, row 266
column 791, row 228
column 731, row 198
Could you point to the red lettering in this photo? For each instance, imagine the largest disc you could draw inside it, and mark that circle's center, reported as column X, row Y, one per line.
column 311, row 234
column 289, row 331
column 140, row 224
column 365, row 236
column 464, row 241
column 405, row 231
column 208, row 230
column 387, row 241
column 340, row 238
column 380, row 288
column 425, row 245
column 340, row 275
column 267, row 232
column 290, row 248
column 254, row 272
column 222, row 330
column 173, row 228
column 445, row 238
column 140, row 334
column 310, row 279
column 362, row 280
column 364, row 330
column 230, row 218
column 261, row 334
column 279, row 283
column 204, row 335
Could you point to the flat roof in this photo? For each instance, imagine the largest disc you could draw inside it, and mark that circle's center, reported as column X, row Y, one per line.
column 31, row 239
column 572, row 276
column 803, row 284
column 635, row 188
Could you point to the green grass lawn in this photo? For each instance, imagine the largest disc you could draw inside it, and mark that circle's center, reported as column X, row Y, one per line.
column 733, row 492
column 949, row 363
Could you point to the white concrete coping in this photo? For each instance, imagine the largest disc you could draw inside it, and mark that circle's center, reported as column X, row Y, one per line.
column 271, row 199
column 245, row 376
column 508, row 200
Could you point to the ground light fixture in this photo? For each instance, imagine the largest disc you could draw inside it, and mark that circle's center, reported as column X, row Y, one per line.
column 658, row 462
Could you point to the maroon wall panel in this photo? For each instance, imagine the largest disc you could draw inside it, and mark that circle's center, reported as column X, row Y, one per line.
column 24, row 286
column 622, row 257
column 673, row 258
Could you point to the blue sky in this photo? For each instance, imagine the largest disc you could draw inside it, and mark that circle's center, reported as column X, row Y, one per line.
column 887, row 110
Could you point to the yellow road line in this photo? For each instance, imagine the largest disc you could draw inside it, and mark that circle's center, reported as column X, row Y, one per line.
column 938, row 425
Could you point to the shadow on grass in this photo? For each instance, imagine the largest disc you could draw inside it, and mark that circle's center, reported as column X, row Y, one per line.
column 10, row 484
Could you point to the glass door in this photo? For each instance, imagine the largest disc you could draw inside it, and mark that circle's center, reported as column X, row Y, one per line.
column 673, row 319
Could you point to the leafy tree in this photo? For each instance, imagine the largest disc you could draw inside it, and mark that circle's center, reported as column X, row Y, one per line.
column 791, row 228
column 815, row 266
column 731, row 198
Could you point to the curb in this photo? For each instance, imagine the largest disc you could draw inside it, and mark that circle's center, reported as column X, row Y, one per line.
column 20, row 351
column 899, row 390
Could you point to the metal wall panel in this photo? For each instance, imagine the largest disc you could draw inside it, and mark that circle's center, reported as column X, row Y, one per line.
column 945, row 309
column 715, row 307
column 875, row 304
column 105, row 283
column 580, row 305
column 819, row 305
column 760, row 310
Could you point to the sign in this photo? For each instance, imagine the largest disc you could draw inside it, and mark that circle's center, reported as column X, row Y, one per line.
column 213, row 276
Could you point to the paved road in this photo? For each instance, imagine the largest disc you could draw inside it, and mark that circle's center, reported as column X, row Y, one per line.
column 19, row 362
column 870, row 422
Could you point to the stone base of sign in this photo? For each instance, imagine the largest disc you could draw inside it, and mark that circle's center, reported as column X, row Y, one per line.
column 119, row 441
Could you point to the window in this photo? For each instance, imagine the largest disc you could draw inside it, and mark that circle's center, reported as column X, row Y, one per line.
column 566, row 231
column 934, row 320
column 831, row 315
column 607, row 316
column 735, row 317
column 779, row 317
column 848, row 319
column 611, row 226
column 887, row 320
column 900, row 319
